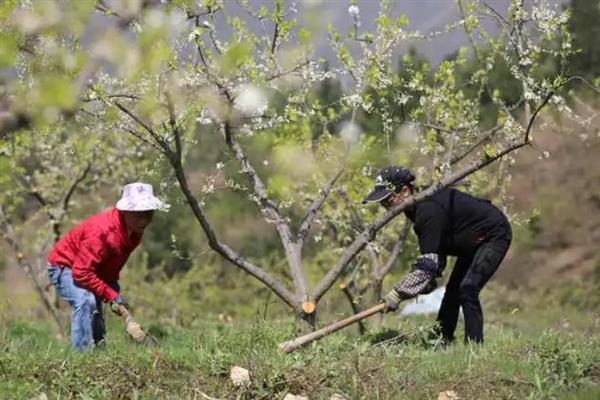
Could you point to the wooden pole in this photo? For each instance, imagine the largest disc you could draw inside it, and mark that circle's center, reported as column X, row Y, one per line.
column 133, row 328
column 292, row 345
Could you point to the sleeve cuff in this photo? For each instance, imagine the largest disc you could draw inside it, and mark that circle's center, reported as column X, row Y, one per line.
column 111, row 295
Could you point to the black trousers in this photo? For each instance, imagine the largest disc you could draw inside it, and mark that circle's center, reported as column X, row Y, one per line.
column 468, row 277
column 98, row 323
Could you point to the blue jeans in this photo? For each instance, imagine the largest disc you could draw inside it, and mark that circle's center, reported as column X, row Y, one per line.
column 87, row 321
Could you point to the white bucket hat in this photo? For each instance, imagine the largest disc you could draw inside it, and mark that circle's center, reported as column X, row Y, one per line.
column 139, row 196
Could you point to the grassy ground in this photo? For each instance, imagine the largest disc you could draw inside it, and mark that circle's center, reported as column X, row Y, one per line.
column 530, row 353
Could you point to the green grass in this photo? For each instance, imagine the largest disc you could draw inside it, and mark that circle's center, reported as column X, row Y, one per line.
column 547, row 361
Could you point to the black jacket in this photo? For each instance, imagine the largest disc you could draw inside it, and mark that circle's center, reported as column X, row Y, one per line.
column 455, row 223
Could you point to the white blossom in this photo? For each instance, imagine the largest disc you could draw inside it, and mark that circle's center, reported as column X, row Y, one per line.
column 194, row 34
column 203, row 119
column 354, row 12
column 367, row 170
column 251, row 100
column 208, row 188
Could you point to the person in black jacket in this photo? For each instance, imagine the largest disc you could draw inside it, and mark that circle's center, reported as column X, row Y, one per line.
column 450, row 223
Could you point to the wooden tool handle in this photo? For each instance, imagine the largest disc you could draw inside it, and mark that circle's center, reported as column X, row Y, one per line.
column 288, row 347
column 124, row 312
column 133, row 328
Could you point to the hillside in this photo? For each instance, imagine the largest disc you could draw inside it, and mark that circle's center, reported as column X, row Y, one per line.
column 561, row 239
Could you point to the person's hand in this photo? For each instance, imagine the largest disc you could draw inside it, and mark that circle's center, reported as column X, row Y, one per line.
column 119, row 301
column 391, row 300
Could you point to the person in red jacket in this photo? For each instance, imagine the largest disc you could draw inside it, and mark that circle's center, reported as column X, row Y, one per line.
column 84, row 264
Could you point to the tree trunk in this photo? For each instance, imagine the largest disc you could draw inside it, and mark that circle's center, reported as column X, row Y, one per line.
column 306, row 323
column 377, row 296
column 362, row 329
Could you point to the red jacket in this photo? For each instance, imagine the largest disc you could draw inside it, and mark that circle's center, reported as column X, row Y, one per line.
column 96, row 250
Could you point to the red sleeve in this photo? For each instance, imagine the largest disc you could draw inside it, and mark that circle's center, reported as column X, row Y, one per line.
column 85, row 265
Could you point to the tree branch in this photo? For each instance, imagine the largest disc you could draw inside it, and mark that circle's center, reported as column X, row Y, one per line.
column 371, row 231
column 498, row 16
column 211, row 30
column 269, row 207
column 164, row 147
column 584, row 81
column 138, row 120
column 308, row 219
column 141, row 138
column 100, row 6
column 77, row 181
column 174, row 127
column 485, row 136
column 396, row 250
column 279, row 74
column 534, row 115
column 270, row 212
column 112, row 96
column 275, row 36
column 224, row 250
column 206, row 68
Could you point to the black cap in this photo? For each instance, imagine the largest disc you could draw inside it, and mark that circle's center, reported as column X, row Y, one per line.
column 389, row 180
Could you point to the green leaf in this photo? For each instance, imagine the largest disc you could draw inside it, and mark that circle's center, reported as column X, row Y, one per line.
column 277, row 16
column 489, row 150
column 236, row 55
column 304, row 35
column 383, row 21
column 263, row 11
column 401, row 21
